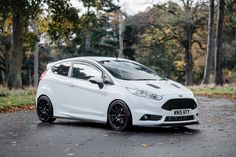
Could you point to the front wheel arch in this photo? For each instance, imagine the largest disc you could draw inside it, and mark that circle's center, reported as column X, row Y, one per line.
column 120, row 101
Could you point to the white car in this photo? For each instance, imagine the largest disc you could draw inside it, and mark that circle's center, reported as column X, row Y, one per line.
column 116, row 91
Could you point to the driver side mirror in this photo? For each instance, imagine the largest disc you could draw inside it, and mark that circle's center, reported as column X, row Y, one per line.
column 97, row 80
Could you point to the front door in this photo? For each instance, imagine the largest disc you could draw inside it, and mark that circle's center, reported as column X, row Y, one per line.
column 85, row 98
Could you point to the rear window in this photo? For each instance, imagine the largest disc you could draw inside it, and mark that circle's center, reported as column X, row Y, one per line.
column 61, row 68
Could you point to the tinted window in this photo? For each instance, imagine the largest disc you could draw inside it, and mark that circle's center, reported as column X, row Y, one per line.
column 61, row 69
column 129, row 71
column 85, row 72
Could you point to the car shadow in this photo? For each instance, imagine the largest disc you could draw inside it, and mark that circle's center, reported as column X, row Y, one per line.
column 165, row 130
column 187, row 130
column 77, row 123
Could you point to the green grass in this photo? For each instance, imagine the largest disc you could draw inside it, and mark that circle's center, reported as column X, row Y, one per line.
column 16, row 98
column 211, row 90
column 10, row 99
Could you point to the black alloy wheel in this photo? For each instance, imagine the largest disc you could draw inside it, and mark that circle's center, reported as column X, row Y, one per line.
column 45, row 109
column 119, row 116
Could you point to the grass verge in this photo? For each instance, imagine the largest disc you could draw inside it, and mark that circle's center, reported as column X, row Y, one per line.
column 22, row 99
column 226, row 91
column 14, row 100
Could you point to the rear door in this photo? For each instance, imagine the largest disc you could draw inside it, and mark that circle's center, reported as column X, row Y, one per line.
column 85, row 98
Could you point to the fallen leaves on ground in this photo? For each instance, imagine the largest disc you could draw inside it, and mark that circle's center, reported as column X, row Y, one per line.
column 16, row 109
column 146, row 145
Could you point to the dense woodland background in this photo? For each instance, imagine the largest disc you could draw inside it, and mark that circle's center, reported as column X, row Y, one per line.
column 193, row 42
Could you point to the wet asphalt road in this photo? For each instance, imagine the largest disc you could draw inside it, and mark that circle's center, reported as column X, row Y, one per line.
column 23, row 135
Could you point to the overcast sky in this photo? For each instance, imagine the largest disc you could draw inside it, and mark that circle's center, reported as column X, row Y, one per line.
column 130, row 7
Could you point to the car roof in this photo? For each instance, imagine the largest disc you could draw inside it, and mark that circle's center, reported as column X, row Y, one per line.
column 99, row 58
column 86, row 58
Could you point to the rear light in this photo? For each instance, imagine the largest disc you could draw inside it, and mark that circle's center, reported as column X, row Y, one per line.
column 43, row 74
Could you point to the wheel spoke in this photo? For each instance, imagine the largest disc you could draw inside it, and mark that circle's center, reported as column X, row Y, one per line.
column 113, row 120
column 113, row 110
column 40, row 104
column 117, row 108
column 123, row 115
column 46, row 115
column 43, row 115
column 113, row 115
column 40, row 107
column 40, row 114
column 121, row 110
column 122, row 121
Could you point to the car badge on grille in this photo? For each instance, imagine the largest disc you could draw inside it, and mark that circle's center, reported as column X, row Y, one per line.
column 180, row 95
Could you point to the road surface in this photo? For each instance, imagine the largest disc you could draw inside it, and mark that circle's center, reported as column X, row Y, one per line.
column 23, row 135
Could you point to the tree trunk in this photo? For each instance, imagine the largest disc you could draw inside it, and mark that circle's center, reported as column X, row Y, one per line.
column 210, row 40
column 88, row 42
column 15, row 59
column 218, row 51
column 189, row 58
column 28, row 72
column 36, row 66
column 121, row 35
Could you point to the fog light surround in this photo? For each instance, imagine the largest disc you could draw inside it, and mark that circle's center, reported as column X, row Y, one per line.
column 149, row 117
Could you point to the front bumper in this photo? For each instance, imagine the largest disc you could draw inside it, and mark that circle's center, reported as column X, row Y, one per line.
column 143, row 106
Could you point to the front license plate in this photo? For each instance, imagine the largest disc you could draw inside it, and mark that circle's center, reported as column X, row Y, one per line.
column 181, row 112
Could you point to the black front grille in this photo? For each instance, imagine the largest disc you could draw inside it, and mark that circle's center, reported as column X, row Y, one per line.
column 179, row 104
column 178, row 118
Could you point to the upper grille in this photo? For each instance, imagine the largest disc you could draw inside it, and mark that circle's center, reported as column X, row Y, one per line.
column 179, row 104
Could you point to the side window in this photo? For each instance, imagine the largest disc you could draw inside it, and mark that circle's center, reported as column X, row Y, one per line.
column 62, row 68
column 85, row 72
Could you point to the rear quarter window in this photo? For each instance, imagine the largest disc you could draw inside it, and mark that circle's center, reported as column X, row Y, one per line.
column 61, row 68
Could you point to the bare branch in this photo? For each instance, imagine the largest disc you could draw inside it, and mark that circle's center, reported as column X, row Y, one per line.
column 199, row 43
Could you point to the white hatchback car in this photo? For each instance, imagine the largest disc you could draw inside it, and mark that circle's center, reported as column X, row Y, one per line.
column 116, row 91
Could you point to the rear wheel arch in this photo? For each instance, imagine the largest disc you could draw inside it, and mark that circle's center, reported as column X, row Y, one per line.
column 44, row 98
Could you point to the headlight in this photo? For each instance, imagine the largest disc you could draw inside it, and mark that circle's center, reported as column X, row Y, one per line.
column 145, row 94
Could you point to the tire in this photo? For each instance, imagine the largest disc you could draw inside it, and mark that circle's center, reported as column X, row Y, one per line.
column 118, row 116
column 45, row 109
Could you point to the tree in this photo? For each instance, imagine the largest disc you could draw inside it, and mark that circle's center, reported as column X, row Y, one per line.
column 59, row 11
column 184, row 25
column 178, row 28
column 130, row 38
column 219, row 39
column 14, row 76
column 21, row 11
column 5, row 43
column 193, row 21
column 229, row 44
column 210, row 44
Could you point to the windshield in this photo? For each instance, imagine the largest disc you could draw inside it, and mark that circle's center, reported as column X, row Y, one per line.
column 126, row 70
